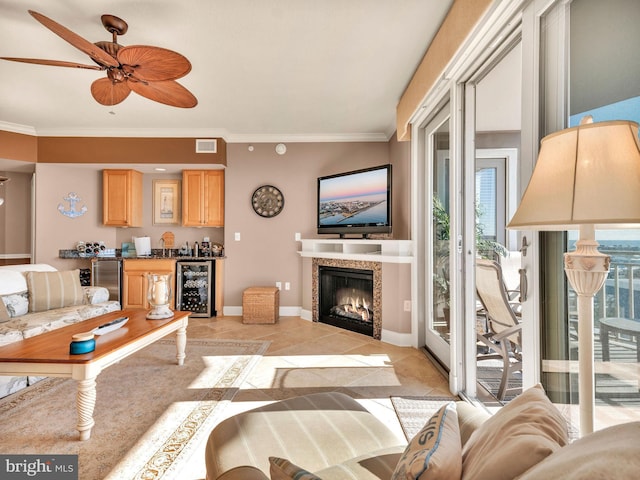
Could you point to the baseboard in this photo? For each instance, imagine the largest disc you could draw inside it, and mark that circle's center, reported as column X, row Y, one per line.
column 399, row 339
column 236, row 311
column 387, row 336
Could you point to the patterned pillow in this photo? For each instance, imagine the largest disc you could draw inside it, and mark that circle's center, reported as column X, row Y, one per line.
column 96, row 294
column 16, row 304
column 436, row 451
column 283, row 469
column 49, row 290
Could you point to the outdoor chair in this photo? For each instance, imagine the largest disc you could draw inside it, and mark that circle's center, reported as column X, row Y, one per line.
column 503, row 333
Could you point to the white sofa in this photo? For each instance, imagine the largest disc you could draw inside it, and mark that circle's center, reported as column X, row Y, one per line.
column 333, row 436
column 37, row 298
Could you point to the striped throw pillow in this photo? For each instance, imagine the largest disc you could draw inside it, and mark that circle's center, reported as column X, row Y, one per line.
column 49, row 290
column 283, row 469
column 436, row 450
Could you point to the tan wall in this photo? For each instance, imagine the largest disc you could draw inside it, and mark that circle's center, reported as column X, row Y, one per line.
column 108, row 150
column 17, row 146
column 400, row 158
column 15, row 214
column 267, row 251
column 396, row 288
column 55, row 231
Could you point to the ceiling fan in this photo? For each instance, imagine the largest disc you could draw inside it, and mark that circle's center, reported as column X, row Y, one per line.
column 148, row 71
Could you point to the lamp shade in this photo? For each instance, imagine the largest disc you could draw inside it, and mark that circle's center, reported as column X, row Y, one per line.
column 589, row 174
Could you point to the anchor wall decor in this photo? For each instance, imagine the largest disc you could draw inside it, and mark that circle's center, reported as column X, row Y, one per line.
column 72, row 198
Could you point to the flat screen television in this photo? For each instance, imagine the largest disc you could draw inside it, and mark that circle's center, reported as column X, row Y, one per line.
column 355, row 202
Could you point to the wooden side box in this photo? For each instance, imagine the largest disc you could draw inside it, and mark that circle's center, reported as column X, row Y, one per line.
column 260, row 305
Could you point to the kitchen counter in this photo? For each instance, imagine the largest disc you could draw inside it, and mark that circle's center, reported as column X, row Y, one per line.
column 124, row 276
column 156, row 255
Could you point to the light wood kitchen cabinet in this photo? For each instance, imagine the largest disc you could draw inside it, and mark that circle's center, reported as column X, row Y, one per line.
column 203, row 198
column 134, row 280
column 122, row 198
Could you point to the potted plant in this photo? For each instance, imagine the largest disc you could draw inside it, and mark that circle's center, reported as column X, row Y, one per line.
column 485, row 248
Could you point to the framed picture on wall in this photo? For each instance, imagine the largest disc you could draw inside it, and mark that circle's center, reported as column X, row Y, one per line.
column 166, row 202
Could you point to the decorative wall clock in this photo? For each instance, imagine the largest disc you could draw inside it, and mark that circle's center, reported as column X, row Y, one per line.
column 267, row 201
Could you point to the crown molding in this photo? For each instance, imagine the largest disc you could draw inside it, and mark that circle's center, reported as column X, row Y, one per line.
column 307, row 138
column 198, row 133
column 134, row 132
column 17, row 128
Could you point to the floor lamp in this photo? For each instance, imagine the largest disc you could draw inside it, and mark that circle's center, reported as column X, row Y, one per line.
column 586, row 177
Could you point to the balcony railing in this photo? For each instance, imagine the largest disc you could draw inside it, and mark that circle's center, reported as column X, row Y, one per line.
column 620, row 295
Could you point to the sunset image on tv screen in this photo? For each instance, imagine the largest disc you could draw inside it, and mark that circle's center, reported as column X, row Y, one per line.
column 357, row 199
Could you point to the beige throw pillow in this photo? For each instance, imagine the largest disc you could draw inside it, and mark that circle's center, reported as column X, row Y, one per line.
column 4, row 314
column 610, row 453
column 283, row 469
column 48, row 290
column 435, row 452
column 518, row 436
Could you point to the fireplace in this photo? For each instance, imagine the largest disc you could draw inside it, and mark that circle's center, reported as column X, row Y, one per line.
column 345, row 298
column 354, row 265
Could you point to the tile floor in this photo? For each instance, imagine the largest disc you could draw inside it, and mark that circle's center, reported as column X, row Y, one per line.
column 306, row 357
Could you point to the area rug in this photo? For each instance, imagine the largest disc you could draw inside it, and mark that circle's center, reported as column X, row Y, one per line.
column 151, row 414
column 413, row 411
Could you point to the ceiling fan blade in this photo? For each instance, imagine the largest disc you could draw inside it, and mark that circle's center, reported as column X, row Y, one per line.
column 98, row 55
column 168, row 92
column 154, row 64
column 54, row 63
column 109, row 93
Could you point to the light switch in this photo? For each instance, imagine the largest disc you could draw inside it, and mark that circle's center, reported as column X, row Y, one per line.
column 237, row 236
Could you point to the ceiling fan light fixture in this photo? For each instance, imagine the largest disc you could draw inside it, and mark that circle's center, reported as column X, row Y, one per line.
column 147, row 70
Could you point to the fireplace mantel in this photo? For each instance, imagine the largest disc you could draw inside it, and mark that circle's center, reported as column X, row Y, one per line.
column 384, row 251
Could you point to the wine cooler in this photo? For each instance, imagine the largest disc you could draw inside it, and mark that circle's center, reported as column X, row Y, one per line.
column 195, row 288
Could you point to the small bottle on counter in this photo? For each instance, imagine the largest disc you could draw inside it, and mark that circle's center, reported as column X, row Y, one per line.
column 195, row 249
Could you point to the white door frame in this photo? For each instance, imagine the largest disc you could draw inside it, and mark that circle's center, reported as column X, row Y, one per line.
column 501, row 17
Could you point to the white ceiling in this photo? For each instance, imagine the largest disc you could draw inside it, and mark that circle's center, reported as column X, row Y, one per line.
column 276, row 70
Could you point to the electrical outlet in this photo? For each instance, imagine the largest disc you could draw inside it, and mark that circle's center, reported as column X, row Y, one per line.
column 237, row 236
column 287, row 286
column 407, row 305
column 279, row 285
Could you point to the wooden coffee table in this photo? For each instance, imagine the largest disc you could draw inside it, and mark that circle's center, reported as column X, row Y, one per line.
column 48, row 354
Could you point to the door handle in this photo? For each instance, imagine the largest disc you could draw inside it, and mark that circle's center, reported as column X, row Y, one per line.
column 524, row 247
column 524, row 285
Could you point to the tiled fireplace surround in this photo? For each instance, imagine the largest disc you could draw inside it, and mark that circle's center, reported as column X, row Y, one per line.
column 356, row 265
column 393, row 323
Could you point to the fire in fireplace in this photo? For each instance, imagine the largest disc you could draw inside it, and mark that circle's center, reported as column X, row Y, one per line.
column 346, row 298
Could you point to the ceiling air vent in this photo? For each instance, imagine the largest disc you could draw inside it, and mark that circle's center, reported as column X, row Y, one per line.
column 206, row 145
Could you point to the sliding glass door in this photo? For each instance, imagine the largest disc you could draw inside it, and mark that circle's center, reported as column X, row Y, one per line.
column 601, row 37
column 437, row 210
